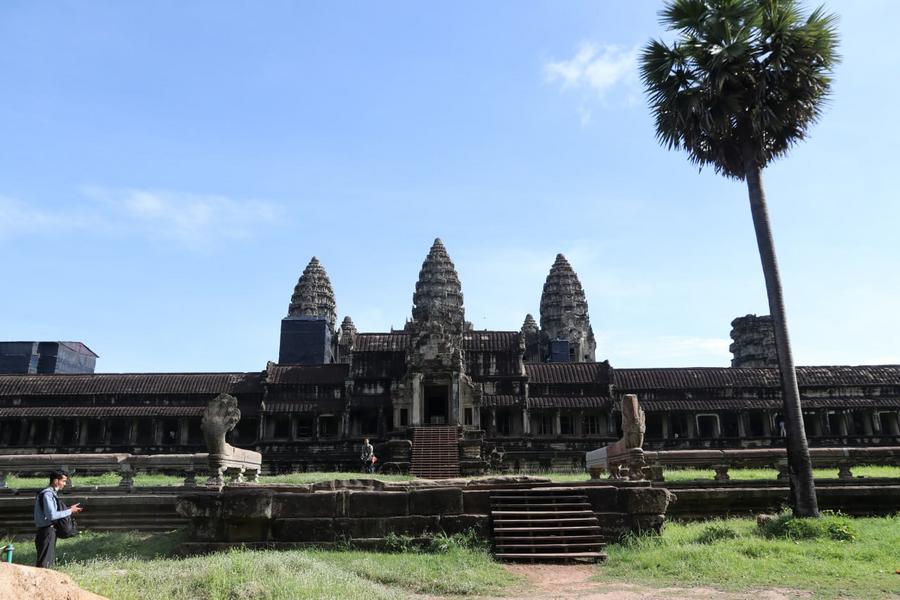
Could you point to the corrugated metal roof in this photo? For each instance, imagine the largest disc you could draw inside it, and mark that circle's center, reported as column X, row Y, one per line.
column 103, row 411
column 486, row 341
column 568, row 402
column 307, row 374
column 566, row 372
column 500, row 400
column 381, row 342
column 129, row 383
column 627, row 380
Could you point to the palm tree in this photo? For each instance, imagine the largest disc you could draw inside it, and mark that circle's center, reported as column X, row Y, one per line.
column 742, row 83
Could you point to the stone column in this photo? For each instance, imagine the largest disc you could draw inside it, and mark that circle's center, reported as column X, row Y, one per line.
column 526, row 422
column 315, row 431
column 742, row 424
column 867, row 422
column 51, row 422
column 492, row 426
column 578, row 426
column 557, row 425
column 82, row 432
column 844, row 422
column 132, row 432
column 183, row 431
column 382, row 422
column 666, row 420
column 767, row 423
column 611, row 424
column 157, row 432
column 691, row 426
column 454, row 417
column 345, row 424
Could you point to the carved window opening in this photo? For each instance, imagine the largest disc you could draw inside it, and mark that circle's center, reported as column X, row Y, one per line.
column 170, row 429
column 654, row 426
column 504, row 422
column 404, row 417
column 10, row 431
column 835, row 423
column 889, row 423
column 304, row 426
column 592, row 425
column 68, row 432
column 245, row 432
column 544, row 424
column 730, row 426
column 195, row 433
column 680, row 426
column 566, row 425
column 281, row 427
column 328, row 426
column 467, row 415
column 144, row 431
column 41, row 432
column 94, row 432
column 708, row 426
column 756, row 420
column 118, row 431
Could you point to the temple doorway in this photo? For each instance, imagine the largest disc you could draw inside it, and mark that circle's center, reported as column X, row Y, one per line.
column 437, row 398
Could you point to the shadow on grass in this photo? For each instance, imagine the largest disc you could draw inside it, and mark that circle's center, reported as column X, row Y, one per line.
column 91, row 545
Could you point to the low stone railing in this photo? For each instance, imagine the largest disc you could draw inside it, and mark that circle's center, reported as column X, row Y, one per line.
column 844, row 459
column 127, row 466
column 223, row 460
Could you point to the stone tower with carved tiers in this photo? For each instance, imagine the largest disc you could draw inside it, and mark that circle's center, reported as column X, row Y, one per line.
column 313, row 295
column 436, row 389
column 564, row 316
column 307, row 332
column 754, row 342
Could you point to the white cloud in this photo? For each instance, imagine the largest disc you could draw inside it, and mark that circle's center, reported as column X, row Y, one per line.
column 597, row 71
column 193, row 220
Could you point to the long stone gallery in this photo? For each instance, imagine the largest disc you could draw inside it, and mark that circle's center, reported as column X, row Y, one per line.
column 438, row 398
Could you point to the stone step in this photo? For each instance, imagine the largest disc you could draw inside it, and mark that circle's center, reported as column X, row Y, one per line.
column 551, row 556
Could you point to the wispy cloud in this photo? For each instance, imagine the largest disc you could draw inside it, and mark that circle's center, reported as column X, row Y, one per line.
column 192, row 220
column 597, row 72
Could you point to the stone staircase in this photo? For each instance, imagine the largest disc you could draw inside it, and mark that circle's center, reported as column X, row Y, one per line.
column 544, row 525
column 435, row 452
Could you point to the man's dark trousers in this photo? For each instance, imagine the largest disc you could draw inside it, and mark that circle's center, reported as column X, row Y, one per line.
column 45, row 543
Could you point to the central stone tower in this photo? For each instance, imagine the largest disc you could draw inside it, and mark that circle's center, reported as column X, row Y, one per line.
column 436, row 389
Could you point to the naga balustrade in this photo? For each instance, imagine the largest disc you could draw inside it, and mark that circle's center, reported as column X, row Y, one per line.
column 222, row 460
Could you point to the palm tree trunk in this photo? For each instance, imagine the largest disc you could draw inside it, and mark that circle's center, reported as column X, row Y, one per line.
column 803, row 489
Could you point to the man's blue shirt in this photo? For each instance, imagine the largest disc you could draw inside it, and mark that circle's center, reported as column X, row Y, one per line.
column 45, row 511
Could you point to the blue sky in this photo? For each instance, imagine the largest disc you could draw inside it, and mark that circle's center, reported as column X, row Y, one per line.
column 167, row 169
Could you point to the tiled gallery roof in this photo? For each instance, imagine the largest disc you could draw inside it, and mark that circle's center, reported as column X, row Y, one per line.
column 568, row 402
column 102, row 411
column 307, row 375
column 766, row 403
column 381, row 342
column 500, row 400
column 129, row 383
column 627, row 380
column 486, row 341
column 566, row 372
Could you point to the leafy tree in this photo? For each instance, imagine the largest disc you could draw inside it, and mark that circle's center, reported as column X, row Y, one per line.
column 742, row 83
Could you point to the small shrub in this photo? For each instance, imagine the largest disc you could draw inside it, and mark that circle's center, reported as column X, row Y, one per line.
column 833, row 526
column 443, row 543
column 716, row 532
column 399, row 543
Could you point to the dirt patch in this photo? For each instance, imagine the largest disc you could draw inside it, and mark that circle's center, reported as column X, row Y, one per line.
column 18, row 582
column 575, row 582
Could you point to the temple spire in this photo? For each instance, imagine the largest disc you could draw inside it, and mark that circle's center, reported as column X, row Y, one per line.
column 564, row 311
column 313, row 295
column 438, row 297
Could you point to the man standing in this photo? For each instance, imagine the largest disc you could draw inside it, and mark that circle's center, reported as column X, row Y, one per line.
column 367, row 456
column 46, row 511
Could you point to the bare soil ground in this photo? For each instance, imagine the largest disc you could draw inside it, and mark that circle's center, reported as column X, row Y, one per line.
column 576, row 582
column 18, row 582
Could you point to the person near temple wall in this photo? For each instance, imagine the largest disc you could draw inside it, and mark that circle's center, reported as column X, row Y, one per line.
column 46, row 511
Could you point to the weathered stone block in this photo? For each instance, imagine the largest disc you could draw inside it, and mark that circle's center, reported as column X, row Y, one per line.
column 477, row 502
column 440, row 501
column 206, row 529
column 245, row 530
column 303, row 530
column 647, row 523
column 199, row 505
column 643, row 501
column 319, row 504
column 479, row 523
column 247, row 504
column 377, row 504
column 603, row 498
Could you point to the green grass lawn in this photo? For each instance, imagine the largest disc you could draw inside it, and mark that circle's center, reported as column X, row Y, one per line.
column 684, row 555
column 112, row 479
column 139, row 567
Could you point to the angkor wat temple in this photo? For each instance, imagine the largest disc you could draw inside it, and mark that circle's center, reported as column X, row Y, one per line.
column 528, row 399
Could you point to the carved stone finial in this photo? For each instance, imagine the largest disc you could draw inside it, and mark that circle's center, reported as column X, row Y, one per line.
column 348, row 329
column 530, row 326
column 564, row 310
column 313, row 295
column 754, row 342
column 438, row 298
